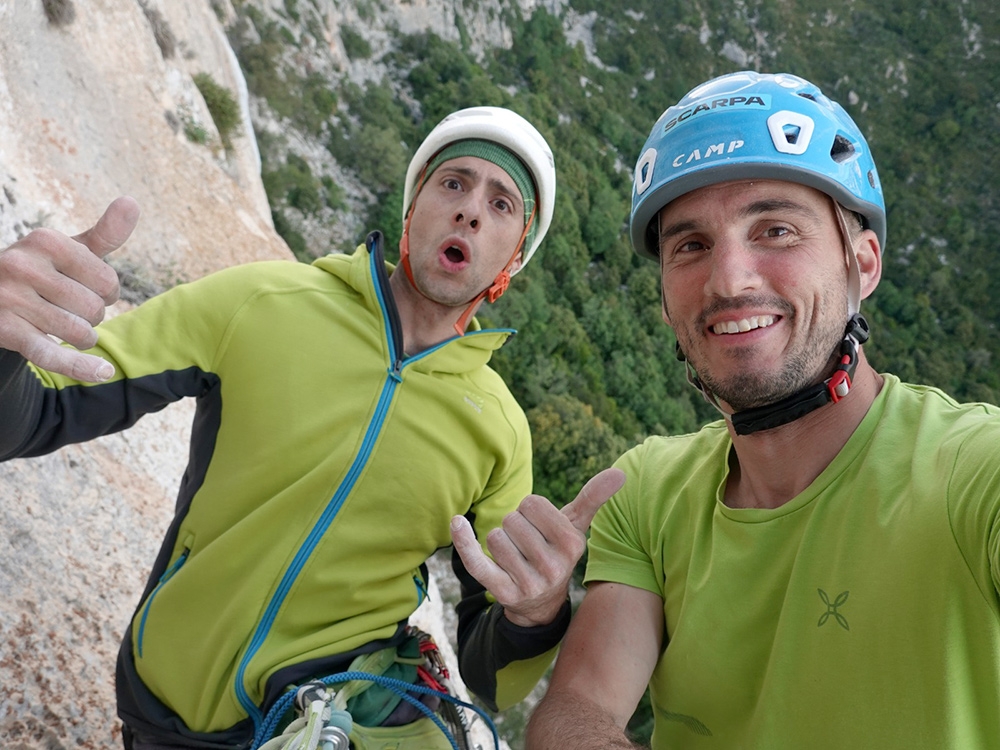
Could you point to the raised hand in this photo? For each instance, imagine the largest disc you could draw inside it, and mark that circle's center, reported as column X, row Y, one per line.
column 59, row 285
column 535, row 550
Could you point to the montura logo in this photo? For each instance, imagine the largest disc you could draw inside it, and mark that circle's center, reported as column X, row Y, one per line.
column 832, row 609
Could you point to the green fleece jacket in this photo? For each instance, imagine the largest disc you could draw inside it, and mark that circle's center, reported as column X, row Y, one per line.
column 325, row 466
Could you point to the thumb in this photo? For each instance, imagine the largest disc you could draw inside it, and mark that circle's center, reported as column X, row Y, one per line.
column 113, row 228
column 595, row 493
column 477, row 564
column 462, row 535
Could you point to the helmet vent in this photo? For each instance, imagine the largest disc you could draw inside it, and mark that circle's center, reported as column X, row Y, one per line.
column 842, row 149
column 810, row 97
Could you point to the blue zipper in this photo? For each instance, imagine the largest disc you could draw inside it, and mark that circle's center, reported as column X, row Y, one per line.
column 421, row 590
column 293, row 570
column 167, row 575
column 393, row 330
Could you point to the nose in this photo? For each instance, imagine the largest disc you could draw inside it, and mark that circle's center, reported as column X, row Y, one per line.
column 468, row 209
column 460, row 219
column 733, row 270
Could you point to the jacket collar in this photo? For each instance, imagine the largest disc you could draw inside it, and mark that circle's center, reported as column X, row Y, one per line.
column 367, row 273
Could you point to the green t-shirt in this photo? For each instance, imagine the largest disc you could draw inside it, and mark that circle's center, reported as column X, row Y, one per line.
column 864, row 613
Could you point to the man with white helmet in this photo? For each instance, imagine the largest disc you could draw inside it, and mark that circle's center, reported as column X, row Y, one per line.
column 347, row 422
column 821, row 567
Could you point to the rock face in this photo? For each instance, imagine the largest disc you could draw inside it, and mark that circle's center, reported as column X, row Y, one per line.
column 90, row 110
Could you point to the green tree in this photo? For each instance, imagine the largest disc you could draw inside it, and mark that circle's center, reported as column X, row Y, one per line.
column 222, row 105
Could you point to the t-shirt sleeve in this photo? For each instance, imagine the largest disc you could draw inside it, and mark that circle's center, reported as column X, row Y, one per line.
column 974, row 503
column 618, row 550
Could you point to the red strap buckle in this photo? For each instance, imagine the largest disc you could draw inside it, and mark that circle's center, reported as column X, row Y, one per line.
column 500, row 284
column 839, row 385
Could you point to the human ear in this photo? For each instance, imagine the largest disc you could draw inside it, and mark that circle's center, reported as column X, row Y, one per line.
column 869, row 255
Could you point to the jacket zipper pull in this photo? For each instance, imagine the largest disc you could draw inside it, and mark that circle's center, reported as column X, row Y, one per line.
column 396, row 371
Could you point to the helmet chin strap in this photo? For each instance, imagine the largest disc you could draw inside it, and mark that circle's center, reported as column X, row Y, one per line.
column 404, row 242
column 491, row 293
column 809, row 399
column 833, row 389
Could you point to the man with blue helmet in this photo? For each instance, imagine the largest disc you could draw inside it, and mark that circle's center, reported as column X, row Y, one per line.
column 820, row 567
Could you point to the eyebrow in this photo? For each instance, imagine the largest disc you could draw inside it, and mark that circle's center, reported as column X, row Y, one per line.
column 494, row 182
column 751, row 209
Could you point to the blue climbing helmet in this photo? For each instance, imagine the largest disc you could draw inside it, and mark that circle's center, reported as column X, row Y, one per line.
column 751, row 125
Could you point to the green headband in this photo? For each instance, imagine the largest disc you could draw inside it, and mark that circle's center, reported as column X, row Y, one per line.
column 503, row 158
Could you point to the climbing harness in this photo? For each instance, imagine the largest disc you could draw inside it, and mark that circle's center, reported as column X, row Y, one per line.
column 322, row 714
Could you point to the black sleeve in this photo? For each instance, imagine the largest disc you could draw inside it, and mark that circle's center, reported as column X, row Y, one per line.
column 21, row 396
column 489, row 643
column 38, row 419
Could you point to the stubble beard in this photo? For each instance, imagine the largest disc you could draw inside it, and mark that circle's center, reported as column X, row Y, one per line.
column 749, row 390
column 447, row 294
column 750, row 387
